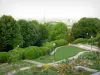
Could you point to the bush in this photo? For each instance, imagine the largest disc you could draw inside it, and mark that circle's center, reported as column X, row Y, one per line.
column 61, row 42
column 49, row 45
column 3, row 57
column 16, row 54
column 90, row 55
column 45, row 50
column 80, row 40
column 31, row 52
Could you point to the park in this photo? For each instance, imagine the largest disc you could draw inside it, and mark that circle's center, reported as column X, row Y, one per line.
column 33, row 48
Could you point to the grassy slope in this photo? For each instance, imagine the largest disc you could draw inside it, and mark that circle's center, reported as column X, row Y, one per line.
column 62, row 53
column 9, row 67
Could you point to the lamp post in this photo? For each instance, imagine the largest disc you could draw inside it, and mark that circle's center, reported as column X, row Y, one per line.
column 87, row 36
column 69, row 39
column 91, row 42
column 54, row 44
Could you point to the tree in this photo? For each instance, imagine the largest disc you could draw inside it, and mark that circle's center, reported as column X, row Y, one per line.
column 84, row 26
column 29, row 32
column 9, row 33
column 59, row 31
column 44, row 33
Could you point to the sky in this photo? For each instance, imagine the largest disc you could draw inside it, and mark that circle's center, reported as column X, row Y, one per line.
column 50, row 9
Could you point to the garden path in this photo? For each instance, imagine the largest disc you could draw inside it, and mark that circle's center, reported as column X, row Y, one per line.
column 87, row 47
column 83, row 46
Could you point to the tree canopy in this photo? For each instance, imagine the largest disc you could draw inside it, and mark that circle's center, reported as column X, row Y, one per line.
column 86, row 27
column 29, row 32
column 59, row 31
column 9, row 33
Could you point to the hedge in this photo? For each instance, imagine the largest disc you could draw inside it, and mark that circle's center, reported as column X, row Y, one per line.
column 49, row 45
column 80, row 40
column 16, row 54
column 33, row 52
column 3, row 57
column 60, row 42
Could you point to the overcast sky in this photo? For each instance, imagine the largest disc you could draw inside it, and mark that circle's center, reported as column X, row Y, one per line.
column 53, row 9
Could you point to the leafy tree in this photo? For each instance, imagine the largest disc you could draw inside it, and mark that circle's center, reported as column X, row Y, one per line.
column 59, row 31
column 29, row 32
column 9, row 33
column 44, row 33
column 84, row 26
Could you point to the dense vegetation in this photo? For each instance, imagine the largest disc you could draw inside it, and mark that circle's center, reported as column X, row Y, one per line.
column 9, row 33
column 87, row 30
column 86, row 27
column 22, row 39
column 23, row 33
column 28, row 39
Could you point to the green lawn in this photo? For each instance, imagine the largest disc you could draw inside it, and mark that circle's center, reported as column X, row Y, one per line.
column 62, row 53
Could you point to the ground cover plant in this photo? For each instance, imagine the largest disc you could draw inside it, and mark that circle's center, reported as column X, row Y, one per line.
column 5, row 68
column 89, row 59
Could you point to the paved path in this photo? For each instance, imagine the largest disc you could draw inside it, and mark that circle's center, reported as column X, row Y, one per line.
column 87, row 47
column 55, row 50
column 97, row 73
column 34, row 62
column 85, row 68
column 14, row 71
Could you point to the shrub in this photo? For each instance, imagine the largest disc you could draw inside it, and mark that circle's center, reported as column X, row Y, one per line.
column 90, row 55
column 49, row 45
column 61, row 42
column 3, row 57
column 16, row 54
column 45, row 50
column 31, row 52
column 80, row 40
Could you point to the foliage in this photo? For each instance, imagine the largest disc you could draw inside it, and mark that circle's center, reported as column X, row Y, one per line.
column 29, row 32
column 46, row 66
column 31, row 52
column 44, row 33
column 70, row 37
column 89, row 59
column 16, row 55
column 91, row 55
column 45, row 50
column 49, row 45
column 9, row 33
column 61, row 69
column 59, row 31
column 5, row 67
column 86, row 27
column 80, row 40
column 3, row 57
column 61, row 42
